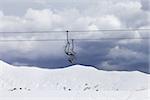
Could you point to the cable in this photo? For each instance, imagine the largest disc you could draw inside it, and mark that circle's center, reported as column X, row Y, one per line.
column 22, row 40
column 32, row 32
column 110, row 38
column 111, row 30
column 75, row 31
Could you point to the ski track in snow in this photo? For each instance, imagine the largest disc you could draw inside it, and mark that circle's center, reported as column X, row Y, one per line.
column 73, row 83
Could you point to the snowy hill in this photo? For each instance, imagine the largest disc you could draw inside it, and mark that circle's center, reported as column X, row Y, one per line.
column 76, row 82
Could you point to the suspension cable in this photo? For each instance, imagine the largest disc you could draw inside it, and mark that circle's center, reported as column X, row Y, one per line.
column 75, row 31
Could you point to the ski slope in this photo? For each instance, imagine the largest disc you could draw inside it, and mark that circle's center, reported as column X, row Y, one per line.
column 73, row 83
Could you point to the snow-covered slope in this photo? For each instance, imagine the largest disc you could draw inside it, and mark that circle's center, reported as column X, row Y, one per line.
column 75, row 80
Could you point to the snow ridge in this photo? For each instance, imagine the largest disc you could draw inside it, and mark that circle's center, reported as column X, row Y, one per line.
column 74, row 78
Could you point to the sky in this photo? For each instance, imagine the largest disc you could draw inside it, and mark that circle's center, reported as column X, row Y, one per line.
column 56, row 15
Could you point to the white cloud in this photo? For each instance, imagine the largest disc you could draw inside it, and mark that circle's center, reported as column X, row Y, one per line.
column 42, row 18
column 32, row 20
column 108, row 21
column 137, row 39
column 124, row 53
column 1, row 14
column 107, row 66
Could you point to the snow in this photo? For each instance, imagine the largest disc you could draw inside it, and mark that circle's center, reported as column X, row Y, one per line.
column 73, row 83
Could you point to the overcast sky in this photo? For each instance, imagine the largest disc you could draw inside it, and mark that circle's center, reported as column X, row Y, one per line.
column 120, row 54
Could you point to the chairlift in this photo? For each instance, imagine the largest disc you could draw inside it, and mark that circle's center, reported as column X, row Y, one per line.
column 69, row 49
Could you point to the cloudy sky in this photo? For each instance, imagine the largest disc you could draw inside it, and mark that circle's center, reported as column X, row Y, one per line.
column 43, row 15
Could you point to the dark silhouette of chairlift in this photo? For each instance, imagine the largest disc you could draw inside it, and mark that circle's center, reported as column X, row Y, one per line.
column 69, row 50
